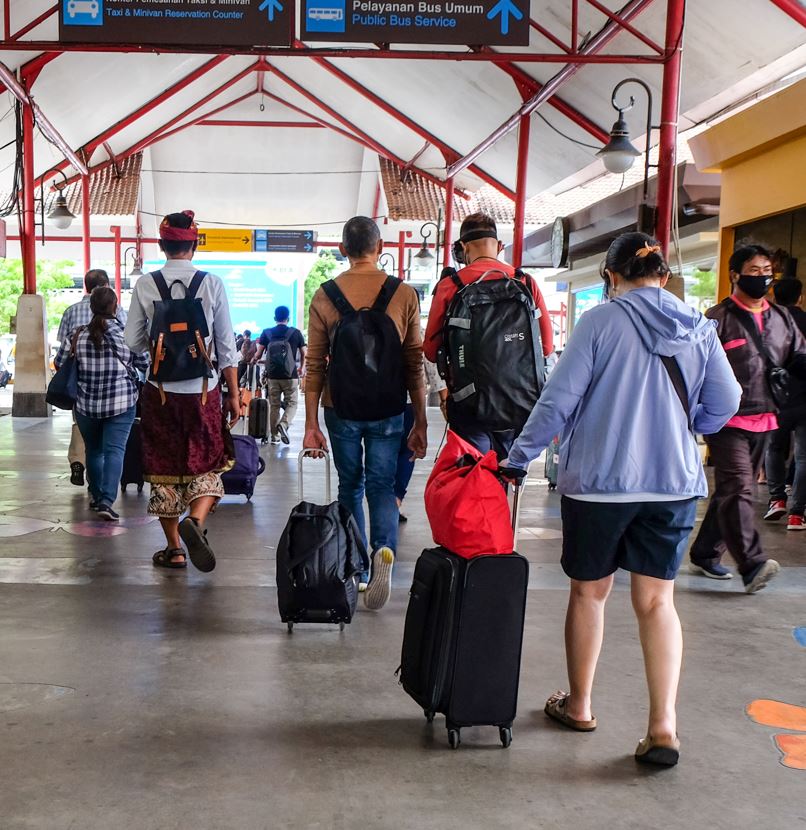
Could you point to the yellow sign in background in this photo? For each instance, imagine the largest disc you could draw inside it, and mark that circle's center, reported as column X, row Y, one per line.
column 226, row 240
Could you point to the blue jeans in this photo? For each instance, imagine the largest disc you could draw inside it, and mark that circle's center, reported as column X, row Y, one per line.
column 105, row 440
column 405, row 466
column 365, row 455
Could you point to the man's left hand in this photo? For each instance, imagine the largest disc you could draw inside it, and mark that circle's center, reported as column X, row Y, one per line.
column 418, row 441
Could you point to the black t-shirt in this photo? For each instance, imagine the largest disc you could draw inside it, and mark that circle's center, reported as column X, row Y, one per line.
column 295, row 340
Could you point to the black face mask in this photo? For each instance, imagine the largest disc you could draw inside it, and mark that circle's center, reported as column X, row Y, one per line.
column 754, row 286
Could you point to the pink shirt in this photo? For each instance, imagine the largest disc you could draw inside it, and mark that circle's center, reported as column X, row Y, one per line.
column 766, row 421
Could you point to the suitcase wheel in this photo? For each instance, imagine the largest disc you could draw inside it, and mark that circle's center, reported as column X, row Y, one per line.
column 341, row 626
column 552, row 487
column 453, row 738
column 505, row 733
column 429, row 716
column 140, row 487
column 290, row 627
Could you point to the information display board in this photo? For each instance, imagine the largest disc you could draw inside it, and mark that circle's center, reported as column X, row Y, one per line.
column 302, row 242
column 179, row 22
column 227, row 240
column 488, row 22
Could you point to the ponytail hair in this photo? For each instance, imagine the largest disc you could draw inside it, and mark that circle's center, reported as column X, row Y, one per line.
column 104, row 306
column 635, row 256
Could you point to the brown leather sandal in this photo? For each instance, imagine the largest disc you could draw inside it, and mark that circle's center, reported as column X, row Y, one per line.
column 555, row 709
column 649, row 751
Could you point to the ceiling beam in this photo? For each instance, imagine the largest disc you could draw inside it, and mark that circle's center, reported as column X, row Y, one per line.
column 597, row 42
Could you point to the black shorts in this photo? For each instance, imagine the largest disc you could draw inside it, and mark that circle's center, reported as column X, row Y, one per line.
column 647, row 538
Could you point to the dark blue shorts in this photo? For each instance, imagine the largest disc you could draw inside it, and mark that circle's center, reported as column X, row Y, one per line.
column 648, row 538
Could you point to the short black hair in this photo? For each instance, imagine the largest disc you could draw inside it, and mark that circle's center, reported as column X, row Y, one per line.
column 173, row 247
column 477, row 222
column 622, row 258
column 360, row 236
column 95, row 278
column 787, row 291
column 744, row 254
column 247, row 333
column 281, row 314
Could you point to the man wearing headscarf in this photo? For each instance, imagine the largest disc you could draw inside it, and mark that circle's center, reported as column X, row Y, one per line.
column 186, row 445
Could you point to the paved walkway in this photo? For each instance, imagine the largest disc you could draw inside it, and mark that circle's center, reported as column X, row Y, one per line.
column 135, row 697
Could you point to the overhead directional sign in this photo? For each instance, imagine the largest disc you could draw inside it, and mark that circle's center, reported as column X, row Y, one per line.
column 226, row 240
column 170, row 22
column 486, row 23
column 302, row 242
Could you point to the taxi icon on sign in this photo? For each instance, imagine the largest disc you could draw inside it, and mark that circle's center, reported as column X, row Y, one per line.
column 88, row 7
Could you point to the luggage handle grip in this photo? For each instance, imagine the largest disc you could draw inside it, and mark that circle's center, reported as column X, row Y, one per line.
column 314, row 453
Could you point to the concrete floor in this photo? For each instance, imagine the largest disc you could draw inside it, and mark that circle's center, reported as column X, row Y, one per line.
column 143, row 699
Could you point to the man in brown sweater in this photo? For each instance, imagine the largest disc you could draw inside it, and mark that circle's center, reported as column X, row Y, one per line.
column 362, row 358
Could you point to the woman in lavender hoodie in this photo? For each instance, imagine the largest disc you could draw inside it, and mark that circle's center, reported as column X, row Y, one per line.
column 639, row 376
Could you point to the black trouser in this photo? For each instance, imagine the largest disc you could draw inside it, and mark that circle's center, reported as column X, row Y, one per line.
column 485, row 440
column 730, row 521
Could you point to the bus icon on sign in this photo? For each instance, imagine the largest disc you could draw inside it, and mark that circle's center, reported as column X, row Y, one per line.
column 83, row 13
column 325, row 15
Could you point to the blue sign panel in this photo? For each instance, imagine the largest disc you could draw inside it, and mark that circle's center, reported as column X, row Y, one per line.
column 83, row 13
column 301, row 242
column 487, row 22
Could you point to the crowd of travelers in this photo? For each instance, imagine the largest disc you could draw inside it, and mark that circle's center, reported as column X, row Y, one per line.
column 640, row 378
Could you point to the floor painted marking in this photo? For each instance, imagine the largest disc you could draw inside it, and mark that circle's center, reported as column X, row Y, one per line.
column 799, row 634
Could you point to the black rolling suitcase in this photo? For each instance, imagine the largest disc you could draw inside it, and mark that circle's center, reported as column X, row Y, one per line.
column 133, row 459
column 463, row 636
column 259, row 419
column 320, row 559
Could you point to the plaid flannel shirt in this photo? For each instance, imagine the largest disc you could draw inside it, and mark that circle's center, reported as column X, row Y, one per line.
column 80, row 314
column 106, row 387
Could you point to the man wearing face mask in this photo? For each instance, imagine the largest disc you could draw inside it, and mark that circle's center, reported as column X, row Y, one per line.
column 760, row 341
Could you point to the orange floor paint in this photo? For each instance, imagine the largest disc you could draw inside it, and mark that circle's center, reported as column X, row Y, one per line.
column 777, row 714
column 793, row 750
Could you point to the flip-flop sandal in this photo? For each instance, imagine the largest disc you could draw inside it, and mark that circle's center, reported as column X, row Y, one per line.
column 199, row 550
column 163, row 558
column 555, row 709
column 664, row 755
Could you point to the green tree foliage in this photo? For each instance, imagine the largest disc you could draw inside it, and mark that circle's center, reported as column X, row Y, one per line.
column 704, row 289
column 323, row 269
column 50, row 276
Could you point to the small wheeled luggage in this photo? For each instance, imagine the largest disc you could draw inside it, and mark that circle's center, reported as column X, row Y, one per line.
column 462, row 638
column 553, row 462
column 320, row 558
column 133, row 459
column 240, row 480
column 259, row 419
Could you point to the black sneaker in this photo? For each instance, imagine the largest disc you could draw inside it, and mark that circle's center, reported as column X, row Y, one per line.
column 77, row 474
column 283, row 432
column 106, row 512
column 715, row 571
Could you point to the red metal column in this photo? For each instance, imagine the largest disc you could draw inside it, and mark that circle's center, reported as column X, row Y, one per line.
column 85, row 219
column 446, row 251
column 116, row 233
column 28, row 229
column 670, row 108
column 520, row 190
column 401, row 254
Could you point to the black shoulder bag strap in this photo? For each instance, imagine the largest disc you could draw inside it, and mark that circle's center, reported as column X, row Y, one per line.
column 162, row 286
column 385, row 294
column 334, row 294
column 195, row 284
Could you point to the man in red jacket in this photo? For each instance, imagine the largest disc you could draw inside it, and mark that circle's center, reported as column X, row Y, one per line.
column 481, row 246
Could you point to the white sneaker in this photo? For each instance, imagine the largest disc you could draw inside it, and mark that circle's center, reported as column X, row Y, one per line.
column 380, row 581
column 762, row 576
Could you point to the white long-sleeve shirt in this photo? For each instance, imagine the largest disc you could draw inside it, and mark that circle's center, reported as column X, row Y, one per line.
column 216, row 310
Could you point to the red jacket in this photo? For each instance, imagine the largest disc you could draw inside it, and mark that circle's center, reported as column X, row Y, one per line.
column 446, row 289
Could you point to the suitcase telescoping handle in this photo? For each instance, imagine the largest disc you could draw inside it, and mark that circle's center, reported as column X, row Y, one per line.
column 311, row 453
column 516, row 511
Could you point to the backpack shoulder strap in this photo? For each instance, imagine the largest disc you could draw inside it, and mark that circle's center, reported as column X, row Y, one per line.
column 676, row 376
column 335, row 295
column 195, row 283
column 454, row 277
column 385, row 294
column 162, row 286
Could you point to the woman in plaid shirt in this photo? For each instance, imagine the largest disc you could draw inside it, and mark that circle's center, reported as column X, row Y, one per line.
column 107, row 395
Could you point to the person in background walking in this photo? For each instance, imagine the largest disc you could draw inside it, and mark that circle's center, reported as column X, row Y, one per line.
column 285, row 365
column 638, row 377
column 791, row 423
column 80, row 314
column 247, row 355
column 107, row 396
column 759, row 339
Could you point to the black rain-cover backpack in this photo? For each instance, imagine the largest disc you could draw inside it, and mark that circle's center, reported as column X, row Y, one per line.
column 491, row 357
column 281, row 362
column 365, row 374
column 179, row 333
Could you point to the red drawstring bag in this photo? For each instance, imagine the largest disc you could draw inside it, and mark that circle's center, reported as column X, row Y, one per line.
column 465, row 502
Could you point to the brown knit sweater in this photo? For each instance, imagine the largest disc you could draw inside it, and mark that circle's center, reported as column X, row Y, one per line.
column 361, row 286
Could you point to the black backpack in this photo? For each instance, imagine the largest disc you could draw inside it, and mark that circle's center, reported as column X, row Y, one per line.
column 365, row 374
column 179, row 333
column 281, row 362
column 491, row 357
